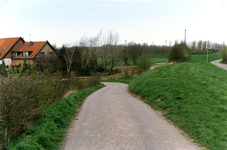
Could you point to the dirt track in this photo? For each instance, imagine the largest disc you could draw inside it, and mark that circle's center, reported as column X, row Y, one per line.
column 112, row 119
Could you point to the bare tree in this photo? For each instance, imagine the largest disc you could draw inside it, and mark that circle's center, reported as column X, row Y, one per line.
column 214, row 46
column 68, row 56
column 87, row 51
column 199, row 45
column 209, row 44
column 134, row 51
column 193, row 47
column 204, row 45
column 109, row 53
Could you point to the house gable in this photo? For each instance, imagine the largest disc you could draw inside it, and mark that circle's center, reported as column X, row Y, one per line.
column 48, row 51
column 9, row 44
column 35, row 52
column 29, row 50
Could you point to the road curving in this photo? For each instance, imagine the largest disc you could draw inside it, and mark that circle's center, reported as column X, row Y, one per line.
column 111, row 118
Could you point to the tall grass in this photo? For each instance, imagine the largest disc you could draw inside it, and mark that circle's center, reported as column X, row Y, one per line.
column 49, row 130
column 191, row 94
column 22, row 96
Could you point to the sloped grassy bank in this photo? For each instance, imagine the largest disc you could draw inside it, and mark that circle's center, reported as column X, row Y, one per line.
column 192, row 94
column 49, row 130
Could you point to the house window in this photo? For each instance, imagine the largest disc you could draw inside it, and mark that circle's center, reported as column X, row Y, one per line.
column 41, row 54
column 51, row 54
column 25, row 54
column 15, row 54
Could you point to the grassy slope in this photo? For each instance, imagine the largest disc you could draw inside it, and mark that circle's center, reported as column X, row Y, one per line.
column 193, row 96
column 50, row 128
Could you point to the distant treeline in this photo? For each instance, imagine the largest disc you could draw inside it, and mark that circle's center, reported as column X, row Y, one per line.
column 87, row 58
column 202, row 47
column 102, row 53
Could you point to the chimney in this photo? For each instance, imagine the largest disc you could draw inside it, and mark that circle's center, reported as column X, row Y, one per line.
column 31, row 43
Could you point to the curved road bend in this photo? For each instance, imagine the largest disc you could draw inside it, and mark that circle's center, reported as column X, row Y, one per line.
column 217, row 63
column 111, row 118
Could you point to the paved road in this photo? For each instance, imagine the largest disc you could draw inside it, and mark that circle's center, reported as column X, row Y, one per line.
column 217, row 63
column 111, row 118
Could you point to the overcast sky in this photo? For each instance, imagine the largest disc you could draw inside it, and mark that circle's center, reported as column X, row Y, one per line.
column 142, row 21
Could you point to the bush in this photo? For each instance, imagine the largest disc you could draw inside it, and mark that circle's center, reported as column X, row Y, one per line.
column 49, row 130
column 143, row 63
column 179, row 52
column 223, row 54
column 22, row 96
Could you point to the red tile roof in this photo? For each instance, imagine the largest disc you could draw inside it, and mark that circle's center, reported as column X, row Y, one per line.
column 6, row 44
column 35, row 48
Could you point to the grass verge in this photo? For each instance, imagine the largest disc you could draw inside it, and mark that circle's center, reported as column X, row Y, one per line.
column 192, row 95
column 49, row 130
column 121, row 79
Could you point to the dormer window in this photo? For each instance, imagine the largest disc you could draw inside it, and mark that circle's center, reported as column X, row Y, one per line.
column 15, row 54
column 25, row 54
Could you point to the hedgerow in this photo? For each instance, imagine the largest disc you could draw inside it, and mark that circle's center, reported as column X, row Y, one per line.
column 49, row 130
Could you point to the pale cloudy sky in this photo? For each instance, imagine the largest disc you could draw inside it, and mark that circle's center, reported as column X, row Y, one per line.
column 143, row 21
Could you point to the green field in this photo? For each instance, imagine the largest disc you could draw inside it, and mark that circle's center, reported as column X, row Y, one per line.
column 192, row 95
column 155, row 58
column 158, row 58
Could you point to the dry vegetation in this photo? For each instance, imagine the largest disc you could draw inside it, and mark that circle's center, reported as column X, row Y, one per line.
column 22, row 96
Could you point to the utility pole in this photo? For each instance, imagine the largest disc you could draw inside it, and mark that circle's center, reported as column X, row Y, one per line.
column 207, row 51
column 185, row 37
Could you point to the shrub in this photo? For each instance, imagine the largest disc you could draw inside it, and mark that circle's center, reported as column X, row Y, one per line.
column 143, row 63
column 223, row 54
column 49, row 130
column 179, row 52
column 23, row 95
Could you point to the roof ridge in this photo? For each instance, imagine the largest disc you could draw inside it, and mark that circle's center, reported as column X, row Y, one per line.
column 12, row 38
column 36, row 41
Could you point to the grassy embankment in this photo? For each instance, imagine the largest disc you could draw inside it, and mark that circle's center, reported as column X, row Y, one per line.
column 49, row 130
column 192, row 95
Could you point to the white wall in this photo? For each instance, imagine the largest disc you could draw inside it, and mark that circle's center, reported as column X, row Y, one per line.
column 7, row 61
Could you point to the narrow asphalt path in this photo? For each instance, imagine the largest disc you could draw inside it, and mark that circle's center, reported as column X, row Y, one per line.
column 111, row 118
column 217, row 63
